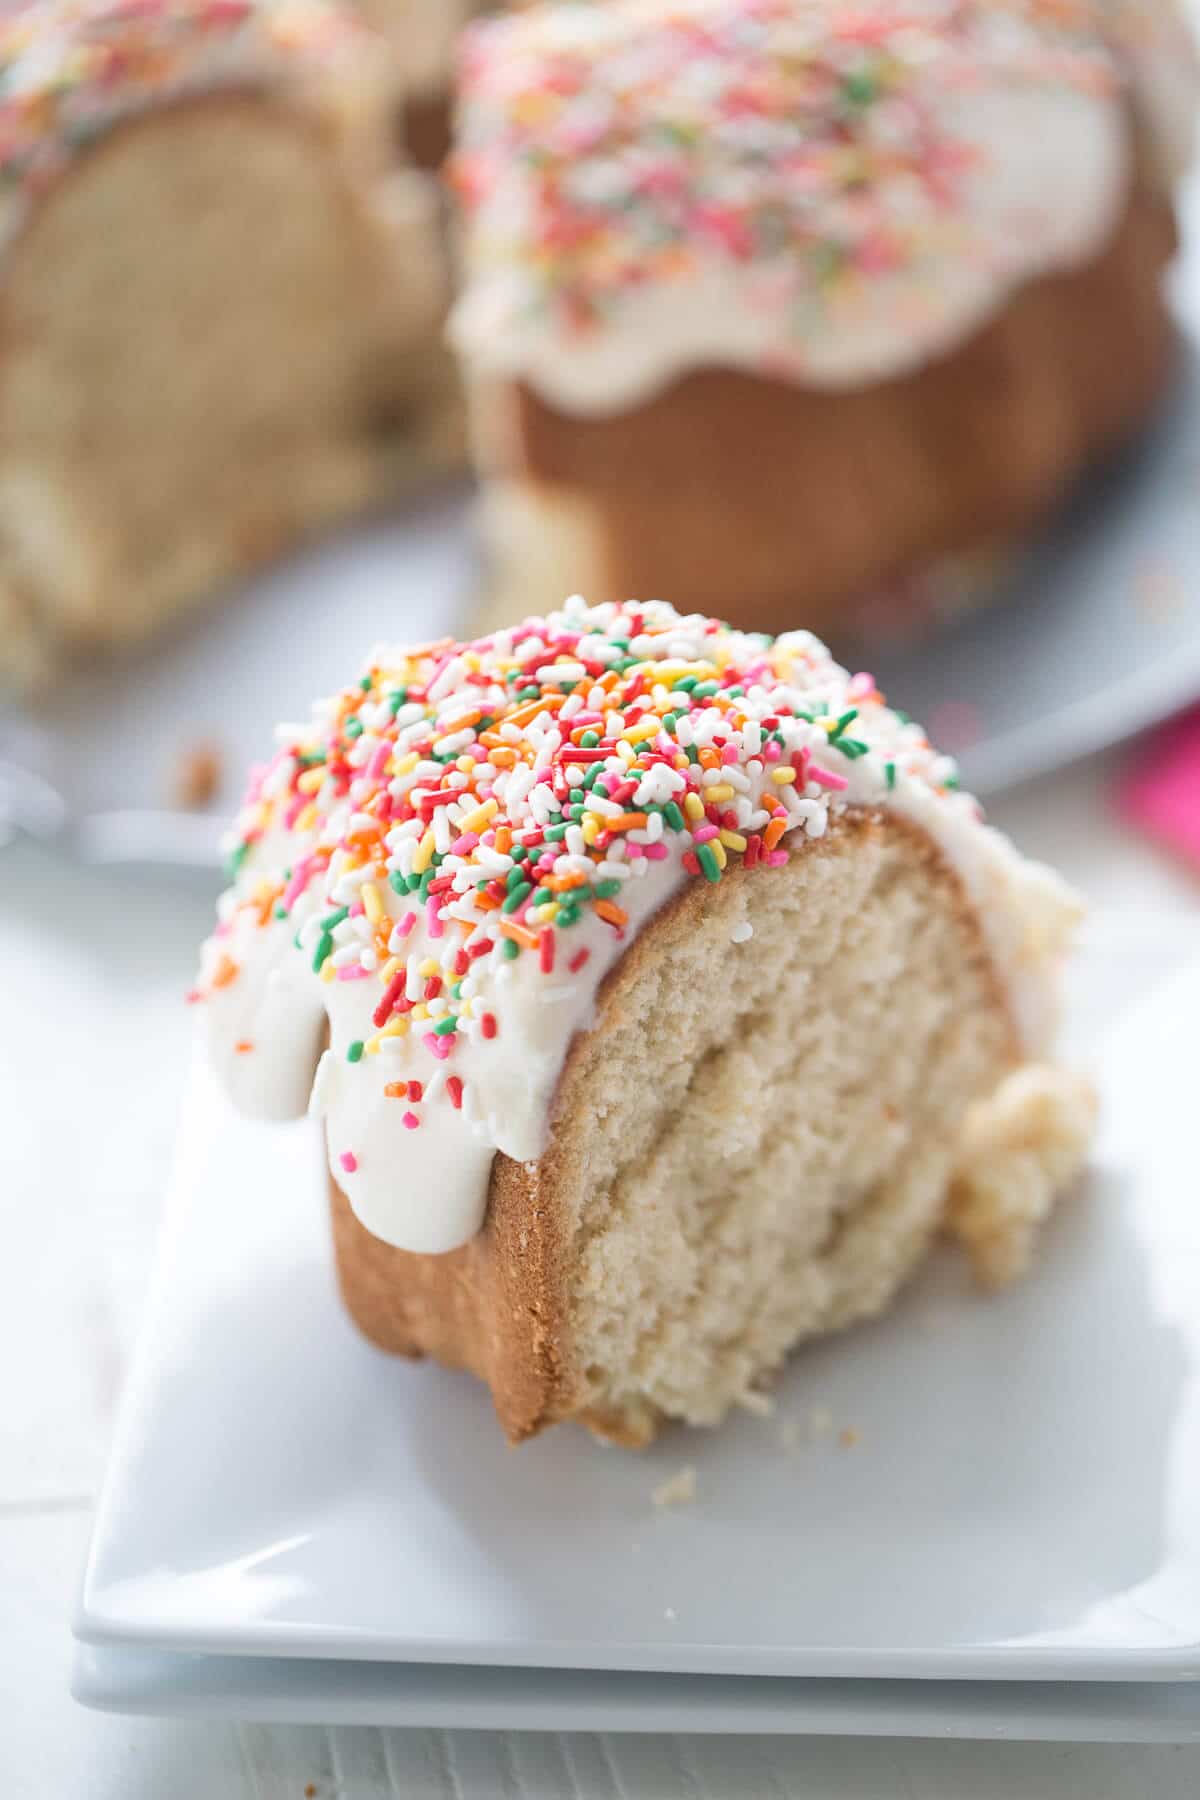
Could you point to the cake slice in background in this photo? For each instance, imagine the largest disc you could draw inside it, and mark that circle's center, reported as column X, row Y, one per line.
column 220, row 306
column 669, row 1000
column 770, row 303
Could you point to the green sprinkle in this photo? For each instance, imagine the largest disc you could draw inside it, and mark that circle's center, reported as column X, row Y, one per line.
column 860, row 88
column 673, row 816
column 704, row 690
column 670, row 720
column 398, row 882
column 514, row 878
column 567, row 915
column 323, row 949
column 365, row 683
column 425, row 883
column 554, row 834
column 541, row 896
column 236, row 859
column 847, row 718
column 519, row 852
column 706, row 857
column 685, row 684
column 516, row 897
column 853, row 748
column 280, row 910
column 952, row 782
column 354, row 1053
column 575, row 795
column 509, row 950
column 445, row 1026
column 353, row 728
column 397, row 699
column 335, row 918
column 589, row 740
column 890, row 771
column 606, row 890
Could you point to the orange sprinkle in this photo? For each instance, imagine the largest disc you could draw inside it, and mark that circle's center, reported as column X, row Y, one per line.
column 518, row 933
column 531, row 709
column 634, row 821
column 242, row 1045
column 396, row 1090
column 561, row 884
column 503, row 842
column 501, row 755
column 774, row 832
column 225, row 972
column 615, row 915
column 486, row 902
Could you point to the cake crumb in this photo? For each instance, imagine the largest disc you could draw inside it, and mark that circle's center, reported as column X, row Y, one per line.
column 678, row 1490
column 847, row 1437
column 196, row 778
column 756, row 1402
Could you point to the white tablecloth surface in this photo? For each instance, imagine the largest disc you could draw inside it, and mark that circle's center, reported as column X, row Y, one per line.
column 93, row 967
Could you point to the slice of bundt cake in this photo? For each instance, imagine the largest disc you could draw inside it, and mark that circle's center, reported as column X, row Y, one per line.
column 673, row 999
column 219, row 305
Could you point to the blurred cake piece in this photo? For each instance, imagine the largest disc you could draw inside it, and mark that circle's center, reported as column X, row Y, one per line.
column 771, row 302
column 424, row 34
column 220, row 306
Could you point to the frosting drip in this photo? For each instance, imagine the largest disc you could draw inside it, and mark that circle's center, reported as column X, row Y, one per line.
column 438, row 871
column 828, row 191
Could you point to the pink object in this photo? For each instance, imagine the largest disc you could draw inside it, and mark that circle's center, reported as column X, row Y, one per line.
column 352, row 972
column 410, row 1121
column 405, row 925
column 348, row 1161
column 433, row 923
column 1160, row 794
column 827, row 778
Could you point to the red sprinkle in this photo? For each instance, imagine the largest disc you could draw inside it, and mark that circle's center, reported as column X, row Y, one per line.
column 454, row 1088
column 545, row 951
column 488, row 1025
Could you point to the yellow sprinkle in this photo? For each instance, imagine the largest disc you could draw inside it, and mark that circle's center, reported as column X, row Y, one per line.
column 307, row 819
column 395, row 1027
column 693, row 806
column 645, row 728
column 590, row 827
column 732, row 840
column 310, row 781
column 431, row 966
column 719, row 852
column 389, row 968
column 544, row 914
column 474, row 821
column 424, row 853
column 406, row 763
column 420, row 1011
column 783, row 777
column 372, row 904
column 371, row 1047
column 328, row 971
column 721, row 791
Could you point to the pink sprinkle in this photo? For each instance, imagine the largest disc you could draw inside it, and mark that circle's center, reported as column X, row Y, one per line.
column 462, row 844
column 405, row 925
column 438, row 1046
column 826, row 777
column 296, row 885
column 634, row 851
column 377, row 761
column 352, row 972
column 348, row 1161
column 704, row 834
column 295, row 808
column 410, row 1121
column 729, row 754
column 775, row 859
column 860, row 685
column 357, row 909
column 771, row 751
column 433, row 919
column 654, row 852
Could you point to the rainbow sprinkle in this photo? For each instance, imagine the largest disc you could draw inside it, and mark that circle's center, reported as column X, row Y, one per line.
column 605, row 149
column 464, row 805
column 70, row 69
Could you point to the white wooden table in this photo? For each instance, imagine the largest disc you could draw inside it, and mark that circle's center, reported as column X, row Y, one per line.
column 93, row 967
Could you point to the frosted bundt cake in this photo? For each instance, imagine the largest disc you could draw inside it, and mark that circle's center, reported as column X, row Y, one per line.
column 665, row 998
column 770, row 302
column 219, row 306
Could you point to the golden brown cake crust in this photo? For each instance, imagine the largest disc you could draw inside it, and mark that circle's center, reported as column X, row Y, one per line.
column 769, row 503
column 499, row 1306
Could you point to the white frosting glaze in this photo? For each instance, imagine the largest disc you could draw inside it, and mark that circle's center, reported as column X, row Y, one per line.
column 425, row 1188
column 1039, row 161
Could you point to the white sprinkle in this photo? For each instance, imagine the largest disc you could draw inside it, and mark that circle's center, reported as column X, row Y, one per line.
column 742, row 933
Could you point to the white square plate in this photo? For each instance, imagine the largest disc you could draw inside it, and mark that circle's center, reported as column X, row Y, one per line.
column 1022, row 1501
